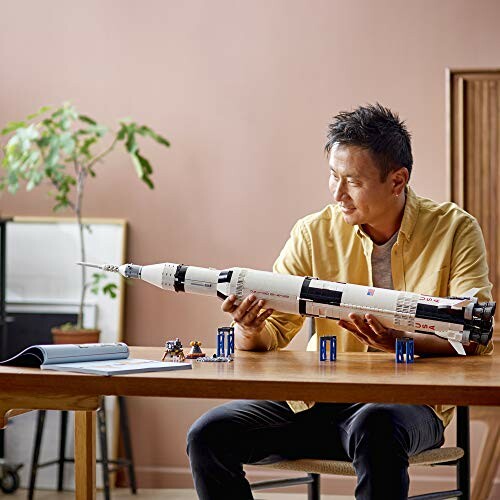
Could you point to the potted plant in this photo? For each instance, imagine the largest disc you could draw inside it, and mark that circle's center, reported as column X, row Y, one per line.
column 63, row 148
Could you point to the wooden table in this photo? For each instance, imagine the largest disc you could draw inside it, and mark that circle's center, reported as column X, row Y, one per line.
column 369, row 377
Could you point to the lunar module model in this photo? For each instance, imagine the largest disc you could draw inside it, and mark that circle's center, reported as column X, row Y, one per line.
column 460, row 320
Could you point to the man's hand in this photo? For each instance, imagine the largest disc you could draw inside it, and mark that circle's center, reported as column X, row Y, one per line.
column 250, row 331
column 370, row 331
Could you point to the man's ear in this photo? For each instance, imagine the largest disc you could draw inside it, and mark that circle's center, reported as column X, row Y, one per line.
column 399, row 178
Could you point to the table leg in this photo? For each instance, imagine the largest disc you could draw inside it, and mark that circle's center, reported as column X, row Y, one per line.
column 489, row 458
column 85, row 435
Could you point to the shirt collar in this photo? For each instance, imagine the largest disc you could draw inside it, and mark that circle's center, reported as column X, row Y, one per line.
column 412, row 207
column 410, row 214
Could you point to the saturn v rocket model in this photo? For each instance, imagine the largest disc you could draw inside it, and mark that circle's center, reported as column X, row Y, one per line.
column 457, row 319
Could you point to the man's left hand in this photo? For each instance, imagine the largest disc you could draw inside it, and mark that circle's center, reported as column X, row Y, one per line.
column 369, row 330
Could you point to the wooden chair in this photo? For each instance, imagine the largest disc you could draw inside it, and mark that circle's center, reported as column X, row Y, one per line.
column 458, row 456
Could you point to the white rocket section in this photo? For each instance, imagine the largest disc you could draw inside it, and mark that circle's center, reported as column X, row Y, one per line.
column 201, row 280
column 161, row 275
column 280, row 292
column 455, row 319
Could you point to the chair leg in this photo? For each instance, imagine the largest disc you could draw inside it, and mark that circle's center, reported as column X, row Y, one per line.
column 36, row 452
column 463, row 441
column 101, row 419
column 127, row 444
column 313, row 488
column 62, row 450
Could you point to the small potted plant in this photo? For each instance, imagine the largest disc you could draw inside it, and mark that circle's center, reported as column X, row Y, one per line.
column 63, row 148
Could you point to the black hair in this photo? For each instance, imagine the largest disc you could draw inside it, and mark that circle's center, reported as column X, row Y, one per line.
column 376, row 129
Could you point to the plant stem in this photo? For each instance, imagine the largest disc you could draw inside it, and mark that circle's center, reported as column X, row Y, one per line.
column 91, row 163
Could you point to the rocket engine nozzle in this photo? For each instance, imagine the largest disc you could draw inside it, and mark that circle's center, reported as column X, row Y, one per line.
column 481, row 323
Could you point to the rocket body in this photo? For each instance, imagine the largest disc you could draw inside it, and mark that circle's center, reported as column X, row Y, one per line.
column 458, row 319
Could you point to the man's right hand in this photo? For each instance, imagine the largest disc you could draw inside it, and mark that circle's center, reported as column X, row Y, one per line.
column 250, row 321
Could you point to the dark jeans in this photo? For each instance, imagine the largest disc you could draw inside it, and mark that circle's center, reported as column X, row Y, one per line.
column 377, row 438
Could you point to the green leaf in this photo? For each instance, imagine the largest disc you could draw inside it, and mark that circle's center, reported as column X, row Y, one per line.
column 84, row 149
column 67, row 143
column 131, row 143
column 10, row 127
column 41, row 111
column 43, row 142
column 87, row 119
column 141, row 167
column 53, row 156
column 122, row 132
column 98, row 130
column 65, row 123
column 110, row 289
column 57, row 113
column 12, row 181
column 137, row 165
column 149, row 182
column 147, row 131
column 146, row 166
column 63, row 204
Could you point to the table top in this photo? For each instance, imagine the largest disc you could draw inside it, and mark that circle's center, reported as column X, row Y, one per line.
column 281, row 375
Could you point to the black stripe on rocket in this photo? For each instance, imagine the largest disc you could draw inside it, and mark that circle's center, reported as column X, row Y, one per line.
column 317, row 295
column 180, row 278
column 435, row 313
column 224, row 277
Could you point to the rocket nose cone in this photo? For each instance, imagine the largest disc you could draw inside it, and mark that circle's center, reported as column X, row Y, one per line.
column 122, row 270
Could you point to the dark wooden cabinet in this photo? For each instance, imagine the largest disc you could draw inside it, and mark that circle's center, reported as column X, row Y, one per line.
column 473, row 119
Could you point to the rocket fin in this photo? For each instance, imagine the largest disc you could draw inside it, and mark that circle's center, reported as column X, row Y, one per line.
column 457, row 346
column 463, row 303
column 470, row 293
column 467, row 296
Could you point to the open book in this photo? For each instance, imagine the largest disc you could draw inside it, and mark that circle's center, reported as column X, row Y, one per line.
column 101, row 359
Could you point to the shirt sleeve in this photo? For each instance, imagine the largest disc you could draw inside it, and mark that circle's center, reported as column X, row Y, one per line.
column 295, row 259
column 469, row 267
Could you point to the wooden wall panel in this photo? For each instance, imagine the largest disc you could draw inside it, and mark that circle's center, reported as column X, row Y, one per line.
column 474, row 154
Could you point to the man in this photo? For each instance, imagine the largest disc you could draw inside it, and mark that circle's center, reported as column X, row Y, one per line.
column 378, row 233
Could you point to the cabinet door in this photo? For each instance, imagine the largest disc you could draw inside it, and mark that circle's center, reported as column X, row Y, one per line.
column 473, row 120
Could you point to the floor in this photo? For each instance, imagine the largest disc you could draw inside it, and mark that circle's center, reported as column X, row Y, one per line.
column 123, row 494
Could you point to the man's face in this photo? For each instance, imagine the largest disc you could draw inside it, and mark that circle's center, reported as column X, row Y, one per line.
column 356, row 186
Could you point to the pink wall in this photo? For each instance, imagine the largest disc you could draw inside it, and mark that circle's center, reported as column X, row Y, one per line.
column 244, row 91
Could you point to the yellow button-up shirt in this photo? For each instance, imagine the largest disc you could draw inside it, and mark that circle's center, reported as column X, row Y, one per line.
column 439, row 251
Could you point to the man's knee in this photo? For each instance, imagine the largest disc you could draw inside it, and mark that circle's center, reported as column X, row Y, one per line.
column 376, row 431
column 216, row 429
column 205, row 433
column 194, row 435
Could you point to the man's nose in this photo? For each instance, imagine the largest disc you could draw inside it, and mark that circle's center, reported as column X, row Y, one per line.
column 339, row 192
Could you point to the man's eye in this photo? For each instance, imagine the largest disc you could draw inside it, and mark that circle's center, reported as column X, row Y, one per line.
column 353, row 183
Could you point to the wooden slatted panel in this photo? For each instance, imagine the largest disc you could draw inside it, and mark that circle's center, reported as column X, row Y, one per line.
column 474, row 155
